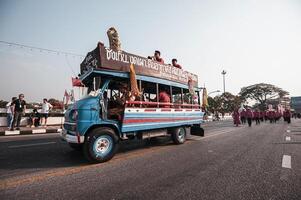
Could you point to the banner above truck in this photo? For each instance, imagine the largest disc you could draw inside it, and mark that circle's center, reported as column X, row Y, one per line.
column 105, row 58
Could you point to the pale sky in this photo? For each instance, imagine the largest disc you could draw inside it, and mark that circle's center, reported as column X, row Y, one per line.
column 254, row 41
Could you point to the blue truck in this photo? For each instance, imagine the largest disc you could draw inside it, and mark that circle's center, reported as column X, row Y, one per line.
column 98, row 122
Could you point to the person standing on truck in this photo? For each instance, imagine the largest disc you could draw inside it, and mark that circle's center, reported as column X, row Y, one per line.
column 157, row 57
column 174, row 62
column 19, row 107
column 46, row 106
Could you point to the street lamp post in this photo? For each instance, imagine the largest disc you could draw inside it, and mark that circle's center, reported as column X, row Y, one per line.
column 224, row 73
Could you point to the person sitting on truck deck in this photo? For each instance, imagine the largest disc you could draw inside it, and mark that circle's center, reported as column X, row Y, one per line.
column 157, row 57
column 164, row 98
column 175, row 64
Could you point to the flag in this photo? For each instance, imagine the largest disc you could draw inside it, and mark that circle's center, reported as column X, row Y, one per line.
column 205, row 98
column 190, row 87
column 66, row 97
column 134, row 87
column 76, row 82
column 72, row 98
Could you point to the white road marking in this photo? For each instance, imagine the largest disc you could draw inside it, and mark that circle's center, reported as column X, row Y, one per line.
column 12, row 132
column 287, row 138
column 30, row 145
column 286, row 161
column 288, row 131
column 38, row 131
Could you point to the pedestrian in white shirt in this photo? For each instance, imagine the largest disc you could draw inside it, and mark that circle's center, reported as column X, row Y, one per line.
column 10, row 112
column 46, row 106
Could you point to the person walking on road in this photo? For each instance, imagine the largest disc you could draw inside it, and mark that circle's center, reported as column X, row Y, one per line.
column 46, row 106
column 236, row 117
column 243, row 116
column 257, row 117
column 9, row 112
column 249, row 115
column 19, row 107
column 287, row 116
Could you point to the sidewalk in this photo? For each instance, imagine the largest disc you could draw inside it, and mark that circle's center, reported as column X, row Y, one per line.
column 27, row 130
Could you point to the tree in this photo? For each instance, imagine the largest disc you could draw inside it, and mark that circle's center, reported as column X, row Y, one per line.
column 56, row 103
column 224, row 103
column 230, row 102
column 213, row 104
column 262, row 93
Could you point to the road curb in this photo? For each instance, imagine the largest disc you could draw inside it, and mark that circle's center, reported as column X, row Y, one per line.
column 30, row 132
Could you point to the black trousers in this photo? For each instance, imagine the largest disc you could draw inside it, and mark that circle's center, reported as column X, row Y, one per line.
column 249, row 121
column 17, row 118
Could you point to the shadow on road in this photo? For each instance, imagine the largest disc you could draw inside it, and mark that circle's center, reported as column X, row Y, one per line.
column 18, row 161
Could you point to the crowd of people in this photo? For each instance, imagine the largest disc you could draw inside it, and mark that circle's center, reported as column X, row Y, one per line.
column 247, row 116
column 16, row 110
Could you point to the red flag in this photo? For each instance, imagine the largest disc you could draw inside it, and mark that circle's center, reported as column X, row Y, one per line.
column 76, row 82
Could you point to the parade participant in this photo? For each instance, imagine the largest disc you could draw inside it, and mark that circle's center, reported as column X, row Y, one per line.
column 19, row 110
column 157, row 57
column 272, row 116
column 175, row 64
column 249, row 115
column 261, row 115
column 236, row 117
column 266, row 117
column 46, row 107
column 287, row 114
column 9, row 112
column 243, row 116
column 256, row 117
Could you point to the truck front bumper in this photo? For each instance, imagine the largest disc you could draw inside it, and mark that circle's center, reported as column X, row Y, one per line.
column 72, row 137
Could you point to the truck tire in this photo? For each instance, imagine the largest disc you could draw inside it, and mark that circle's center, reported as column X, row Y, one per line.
column 77, row 147
column 101, row 144
column 178, row 135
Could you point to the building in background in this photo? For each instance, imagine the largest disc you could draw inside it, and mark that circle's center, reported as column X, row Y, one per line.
column 296, row 104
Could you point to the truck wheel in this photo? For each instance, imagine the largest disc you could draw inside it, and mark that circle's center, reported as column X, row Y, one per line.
column 77, row 147
column 178, row 135
column 100, row 145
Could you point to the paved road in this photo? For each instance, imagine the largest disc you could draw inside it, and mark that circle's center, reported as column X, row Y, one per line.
column 261, row 162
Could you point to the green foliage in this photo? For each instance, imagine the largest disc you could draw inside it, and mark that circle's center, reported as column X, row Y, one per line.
column 3, row 104
column 262, row 93
column 224, row 103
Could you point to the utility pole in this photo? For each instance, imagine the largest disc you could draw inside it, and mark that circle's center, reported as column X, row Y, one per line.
column 224, row 73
